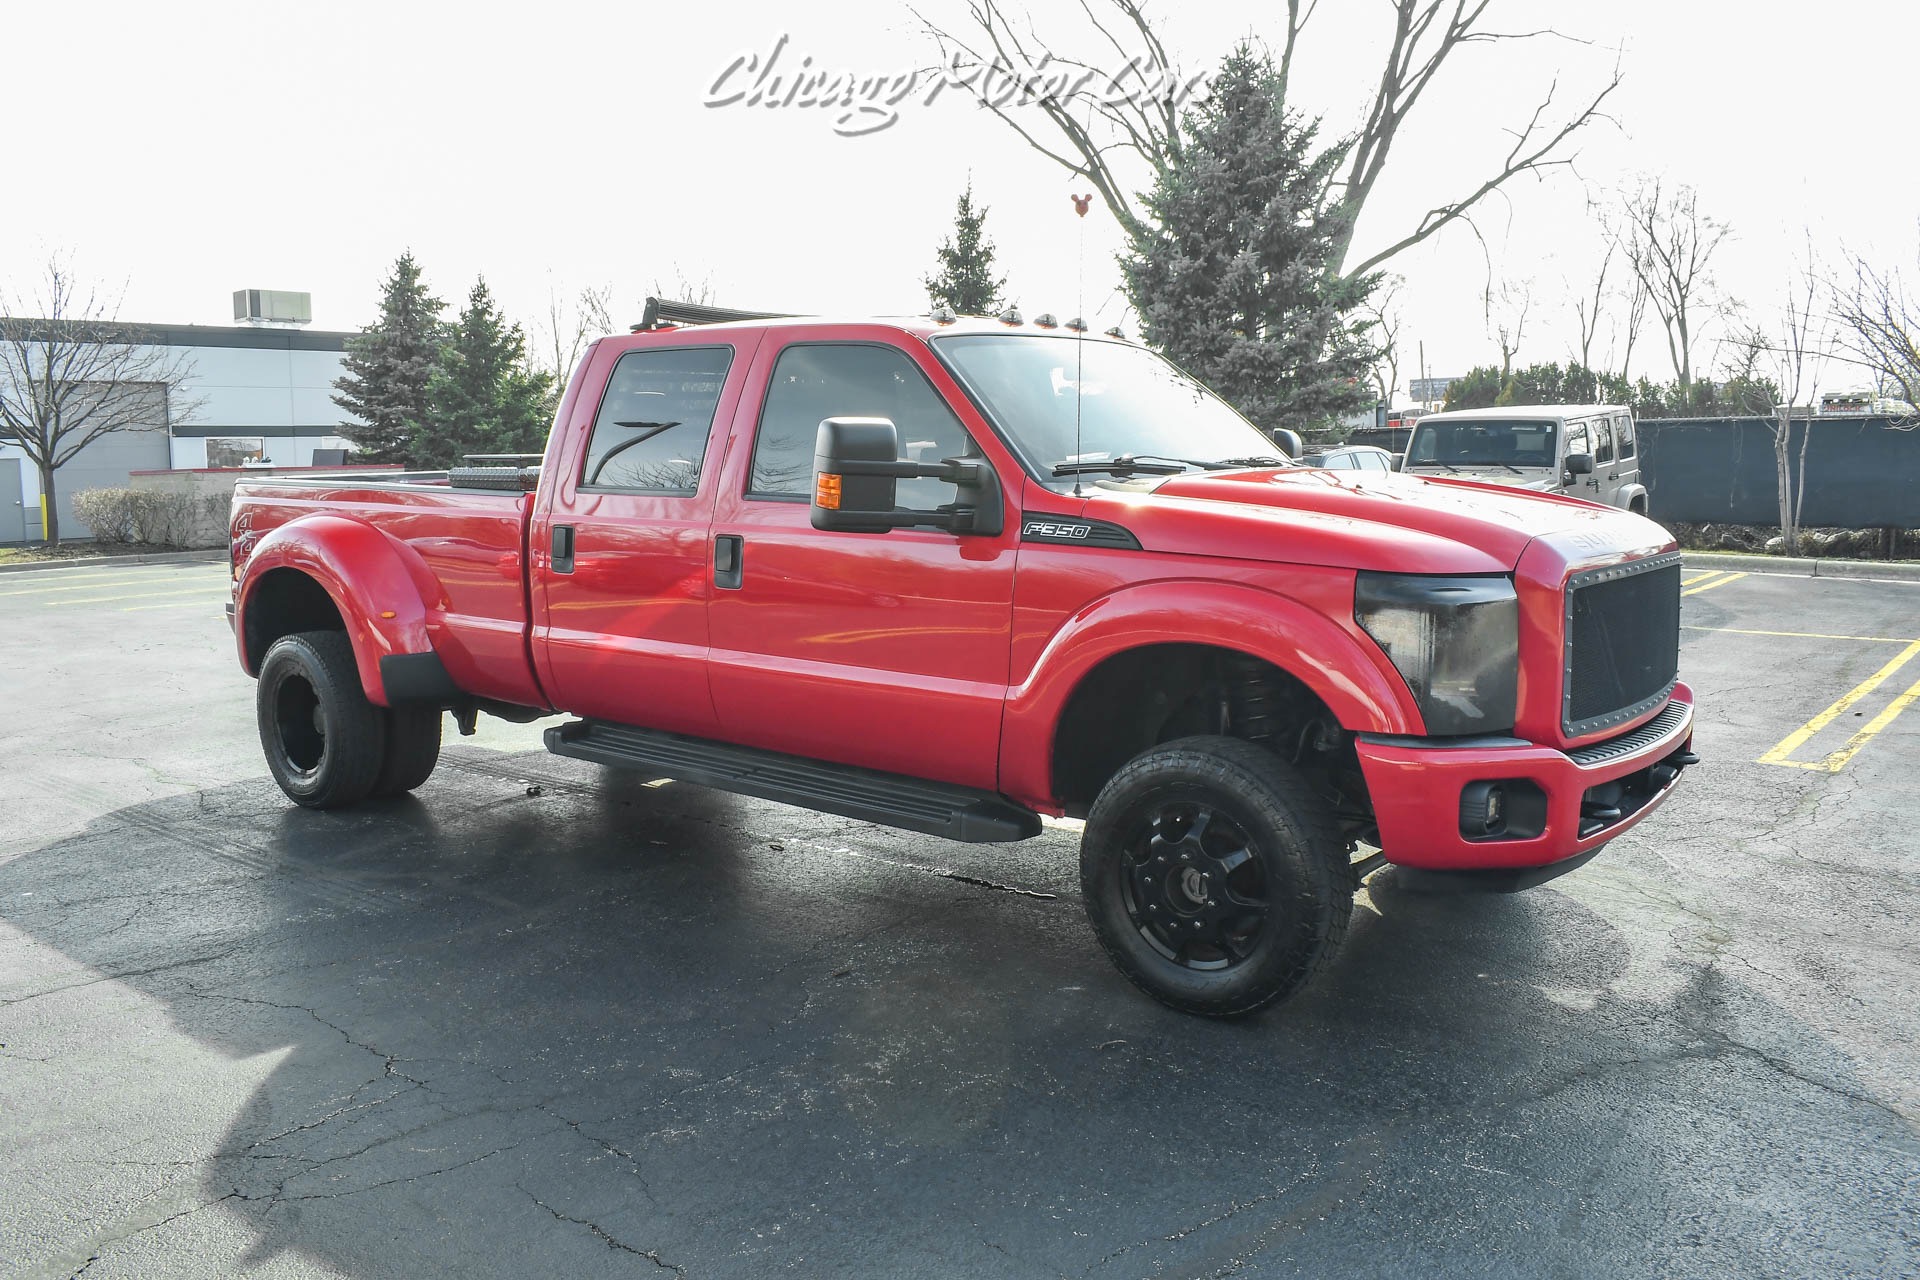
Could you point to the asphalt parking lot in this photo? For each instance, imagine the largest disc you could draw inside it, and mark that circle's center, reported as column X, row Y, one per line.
column 549, row 1020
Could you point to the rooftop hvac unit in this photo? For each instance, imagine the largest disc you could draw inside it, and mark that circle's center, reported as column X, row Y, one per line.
column 272, row 306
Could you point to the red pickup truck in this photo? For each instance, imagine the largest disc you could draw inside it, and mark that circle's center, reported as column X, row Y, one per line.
column 955, row 575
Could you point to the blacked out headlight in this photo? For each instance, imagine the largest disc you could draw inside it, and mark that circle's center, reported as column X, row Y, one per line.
column 1455, row 641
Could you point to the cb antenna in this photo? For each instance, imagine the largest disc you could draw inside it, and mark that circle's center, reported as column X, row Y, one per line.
column 1080, row 204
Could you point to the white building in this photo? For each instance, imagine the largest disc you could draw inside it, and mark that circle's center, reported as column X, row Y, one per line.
column 258, row 394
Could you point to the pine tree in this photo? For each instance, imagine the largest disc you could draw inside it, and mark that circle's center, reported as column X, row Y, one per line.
column 965, row 281
column 388, row 367
column 482, row 397
column 1239, row 279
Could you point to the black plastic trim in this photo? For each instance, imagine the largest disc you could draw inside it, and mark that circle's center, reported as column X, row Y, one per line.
column 1480, row 742
column 936, row 808
column 1069, row 532
column 416, row 677
column 1490, row 879
column 1665, row 725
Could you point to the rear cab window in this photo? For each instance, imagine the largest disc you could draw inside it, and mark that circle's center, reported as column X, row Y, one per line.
column 650, row 434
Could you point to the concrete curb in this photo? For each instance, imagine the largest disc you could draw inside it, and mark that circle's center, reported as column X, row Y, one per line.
column 1802, row 567
column 210, row 555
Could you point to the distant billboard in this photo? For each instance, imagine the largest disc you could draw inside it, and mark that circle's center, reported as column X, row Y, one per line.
column 1424, row 389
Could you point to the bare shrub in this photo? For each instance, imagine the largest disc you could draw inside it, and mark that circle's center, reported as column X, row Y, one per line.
column 178, row 519
column 112, row 514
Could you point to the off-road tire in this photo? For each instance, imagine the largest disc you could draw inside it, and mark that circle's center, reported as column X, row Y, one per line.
column 412, row 749
column 1141, row 893
column 325, row 743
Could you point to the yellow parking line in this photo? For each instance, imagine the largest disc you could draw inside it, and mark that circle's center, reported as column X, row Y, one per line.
column 1782, row 752
column 1802, row 635
column 1873, row 726
column 1708, row 586
column 138, row 595
column 1705, row 577
column 90, row 585
column 178, row 604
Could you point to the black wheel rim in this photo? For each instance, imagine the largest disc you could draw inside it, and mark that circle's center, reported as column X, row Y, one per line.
column 1195, row 886
column 300, row 726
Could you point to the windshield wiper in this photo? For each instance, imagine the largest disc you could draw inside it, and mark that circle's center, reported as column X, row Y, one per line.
column 648, row 429
column 1127, row 464
column 1261, row 460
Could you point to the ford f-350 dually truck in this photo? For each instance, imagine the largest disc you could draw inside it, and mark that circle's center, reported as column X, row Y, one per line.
column 954, row 575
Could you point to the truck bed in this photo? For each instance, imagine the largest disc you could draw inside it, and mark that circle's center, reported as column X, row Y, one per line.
column 464, row 546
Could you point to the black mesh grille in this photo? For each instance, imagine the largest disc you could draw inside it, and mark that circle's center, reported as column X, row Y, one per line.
column 1623, row 642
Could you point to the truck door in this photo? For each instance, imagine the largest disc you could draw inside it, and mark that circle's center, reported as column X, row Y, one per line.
column 1626, row 463
column 884, row 650
column 619, row 550
column 1579, row 440
column 1606, row 476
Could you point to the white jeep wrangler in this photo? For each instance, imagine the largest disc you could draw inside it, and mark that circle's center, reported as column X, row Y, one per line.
column 1586, row 451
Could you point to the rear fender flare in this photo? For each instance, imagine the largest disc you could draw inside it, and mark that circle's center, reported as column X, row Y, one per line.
column 1628, row 494
column 384, row 592
column 1359, row 686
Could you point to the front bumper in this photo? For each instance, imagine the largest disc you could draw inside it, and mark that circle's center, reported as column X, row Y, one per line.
column 1591, row 794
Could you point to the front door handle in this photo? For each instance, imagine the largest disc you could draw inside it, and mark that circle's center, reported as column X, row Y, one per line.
column 728, row 551
column 563, row 548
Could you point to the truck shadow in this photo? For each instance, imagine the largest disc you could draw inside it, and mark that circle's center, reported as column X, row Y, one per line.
column 545, row 1018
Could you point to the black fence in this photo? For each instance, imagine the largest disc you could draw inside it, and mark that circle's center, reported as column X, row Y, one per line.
column 1862, row 472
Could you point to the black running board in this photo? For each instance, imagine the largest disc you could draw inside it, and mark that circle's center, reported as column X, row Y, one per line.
column 957, row 813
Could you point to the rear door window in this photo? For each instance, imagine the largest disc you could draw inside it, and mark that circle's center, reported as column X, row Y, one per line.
column 1623, row 431
column 650, row 435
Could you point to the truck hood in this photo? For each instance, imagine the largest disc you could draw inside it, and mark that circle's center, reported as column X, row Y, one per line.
column 1387, row 522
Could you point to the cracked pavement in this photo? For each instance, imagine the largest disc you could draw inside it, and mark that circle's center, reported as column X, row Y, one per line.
column 621, row 1029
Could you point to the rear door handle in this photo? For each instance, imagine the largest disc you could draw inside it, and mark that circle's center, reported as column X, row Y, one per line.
column 563, row 548
column 728, row 551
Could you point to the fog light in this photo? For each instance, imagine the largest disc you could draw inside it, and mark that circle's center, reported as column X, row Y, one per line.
column 1483, row 808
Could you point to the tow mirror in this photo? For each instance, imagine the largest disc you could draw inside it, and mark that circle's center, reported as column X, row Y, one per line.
column 1290, row 442
column 1579, row 464
column 856, row 470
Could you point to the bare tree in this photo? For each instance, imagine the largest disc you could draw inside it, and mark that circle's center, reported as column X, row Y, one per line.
column 1383, row 310
column 699, row 292
column 1878, row 328
column 1505, row 308
column 1590, row 307
column 1636, row 296
column 1669, row 244
column 1094, row 132
column 1790, row 358
column 71, row 373
column 563, row 334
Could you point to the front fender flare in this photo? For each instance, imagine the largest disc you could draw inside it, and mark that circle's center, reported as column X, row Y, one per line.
column 1345, row 671
column 384, row 592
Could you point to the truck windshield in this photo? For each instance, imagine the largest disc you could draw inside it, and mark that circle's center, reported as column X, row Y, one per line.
column 1131, row 405
column 1466, row 442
